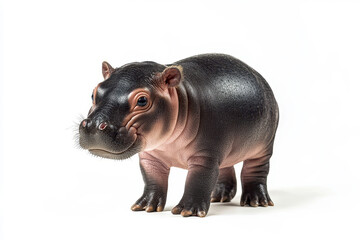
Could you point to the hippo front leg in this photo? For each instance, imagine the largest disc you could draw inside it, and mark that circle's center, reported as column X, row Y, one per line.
column 155, row 175
column 200, row 181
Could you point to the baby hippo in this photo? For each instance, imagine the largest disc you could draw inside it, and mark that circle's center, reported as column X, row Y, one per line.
column 204, row 114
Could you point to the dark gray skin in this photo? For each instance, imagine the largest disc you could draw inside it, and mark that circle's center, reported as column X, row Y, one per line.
column 204, row 113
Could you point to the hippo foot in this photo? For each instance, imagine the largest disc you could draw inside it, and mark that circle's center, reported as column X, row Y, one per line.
column 223, row 192
column 191, row 208
column 255, row 194
column 150, row 201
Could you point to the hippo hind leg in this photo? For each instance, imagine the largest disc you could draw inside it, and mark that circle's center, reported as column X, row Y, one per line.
column 225, row 188
column 253, row 180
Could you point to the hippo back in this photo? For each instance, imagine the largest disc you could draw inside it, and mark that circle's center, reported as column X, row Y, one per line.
column 234, row 99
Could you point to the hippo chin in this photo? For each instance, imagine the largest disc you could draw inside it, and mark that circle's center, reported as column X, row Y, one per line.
column 204, row 113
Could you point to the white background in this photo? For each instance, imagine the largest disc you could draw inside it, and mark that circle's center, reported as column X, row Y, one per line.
column 51, row 60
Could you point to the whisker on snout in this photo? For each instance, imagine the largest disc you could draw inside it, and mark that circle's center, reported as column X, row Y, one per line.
column 75, row 129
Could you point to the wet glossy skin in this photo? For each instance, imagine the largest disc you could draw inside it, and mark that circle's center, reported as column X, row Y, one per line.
column 204, row 113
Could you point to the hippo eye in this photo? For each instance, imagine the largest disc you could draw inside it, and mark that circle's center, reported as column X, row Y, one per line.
column 142, row 101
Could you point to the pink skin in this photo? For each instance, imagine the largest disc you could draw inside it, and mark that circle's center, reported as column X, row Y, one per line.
column 155, row 138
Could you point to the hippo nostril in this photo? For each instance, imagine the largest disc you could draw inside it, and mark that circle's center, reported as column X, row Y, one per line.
column 102, row 126
column 86, row 123
column 83, row 123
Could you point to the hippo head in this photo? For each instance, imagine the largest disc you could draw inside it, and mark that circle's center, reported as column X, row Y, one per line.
column 134, row 109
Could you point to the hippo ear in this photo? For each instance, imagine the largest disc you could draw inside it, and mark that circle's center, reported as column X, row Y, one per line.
column 107, row 70
column 172, row 76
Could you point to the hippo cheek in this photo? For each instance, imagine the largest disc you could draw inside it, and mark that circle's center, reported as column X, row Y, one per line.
column 156, row 125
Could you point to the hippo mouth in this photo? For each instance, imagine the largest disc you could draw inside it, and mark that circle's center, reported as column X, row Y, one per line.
column 133, row 149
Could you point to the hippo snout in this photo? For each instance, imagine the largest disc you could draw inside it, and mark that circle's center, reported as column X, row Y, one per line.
column 104, row 139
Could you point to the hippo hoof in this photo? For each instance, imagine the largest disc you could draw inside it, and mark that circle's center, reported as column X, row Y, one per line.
column 223, row 192
column 150, row 201
column 254, row 195
column 187, row 210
